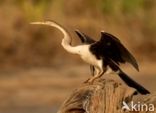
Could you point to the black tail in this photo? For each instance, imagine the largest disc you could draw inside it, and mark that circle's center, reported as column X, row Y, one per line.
column 130, row 82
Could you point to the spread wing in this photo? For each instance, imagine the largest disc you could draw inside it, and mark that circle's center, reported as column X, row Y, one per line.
column 84, row 38
column 110, row 47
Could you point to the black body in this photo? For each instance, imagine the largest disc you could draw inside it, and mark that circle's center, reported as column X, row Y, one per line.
column 112, row 53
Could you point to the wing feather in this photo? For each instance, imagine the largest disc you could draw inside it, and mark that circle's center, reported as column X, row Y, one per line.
column 84, row 38
column 116, row 50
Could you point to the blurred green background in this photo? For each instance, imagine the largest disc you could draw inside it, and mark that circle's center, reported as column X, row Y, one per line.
column 36, row 73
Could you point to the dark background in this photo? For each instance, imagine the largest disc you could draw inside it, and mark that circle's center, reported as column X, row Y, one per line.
column 37, row 74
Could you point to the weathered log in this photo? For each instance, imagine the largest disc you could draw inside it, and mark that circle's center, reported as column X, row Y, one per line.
column 108, row 96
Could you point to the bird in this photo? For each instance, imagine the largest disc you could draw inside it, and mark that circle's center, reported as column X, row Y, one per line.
column 85, row 39
column 114, row 53
column 94, row 53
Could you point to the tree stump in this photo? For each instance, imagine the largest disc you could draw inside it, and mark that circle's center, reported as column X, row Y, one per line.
column 107, row 96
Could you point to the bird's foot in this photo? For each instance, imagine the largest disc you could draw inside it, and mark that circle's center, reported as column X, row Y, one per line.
column 90, row 81
column 86, row 81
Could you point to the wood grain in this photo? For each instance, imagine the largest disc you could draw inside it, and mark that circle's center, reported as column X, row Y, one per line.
column 105, row 96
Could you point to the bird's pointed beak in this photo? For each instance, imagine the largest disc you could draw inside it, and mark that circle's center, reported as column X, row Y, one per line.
column 36, row 22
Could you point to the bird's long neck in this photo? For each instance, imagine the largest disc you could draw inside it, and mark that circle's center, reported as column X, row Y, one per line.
column 67, row 45
column 67, row 38
column 66, row 41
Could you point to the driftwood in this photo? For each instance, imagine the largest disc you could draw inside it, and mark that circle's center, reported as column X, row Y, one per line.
column 108, row 96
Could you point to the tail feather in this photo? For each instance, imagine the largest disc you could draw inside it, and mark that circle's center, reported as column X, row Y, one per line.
column 130, row 82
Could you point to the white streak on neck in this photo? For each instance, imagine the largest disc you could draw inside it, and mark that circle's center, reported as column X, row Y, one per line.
column 66, row 41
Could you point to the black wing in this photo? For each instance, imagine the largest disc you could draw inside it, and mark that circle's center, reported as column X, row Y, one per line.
column 110, row 47
column 84, row 38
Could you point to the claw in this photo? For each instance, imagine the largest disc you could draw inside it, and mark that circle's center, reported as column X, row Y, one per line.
column 86, row 81
column 89, row 81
